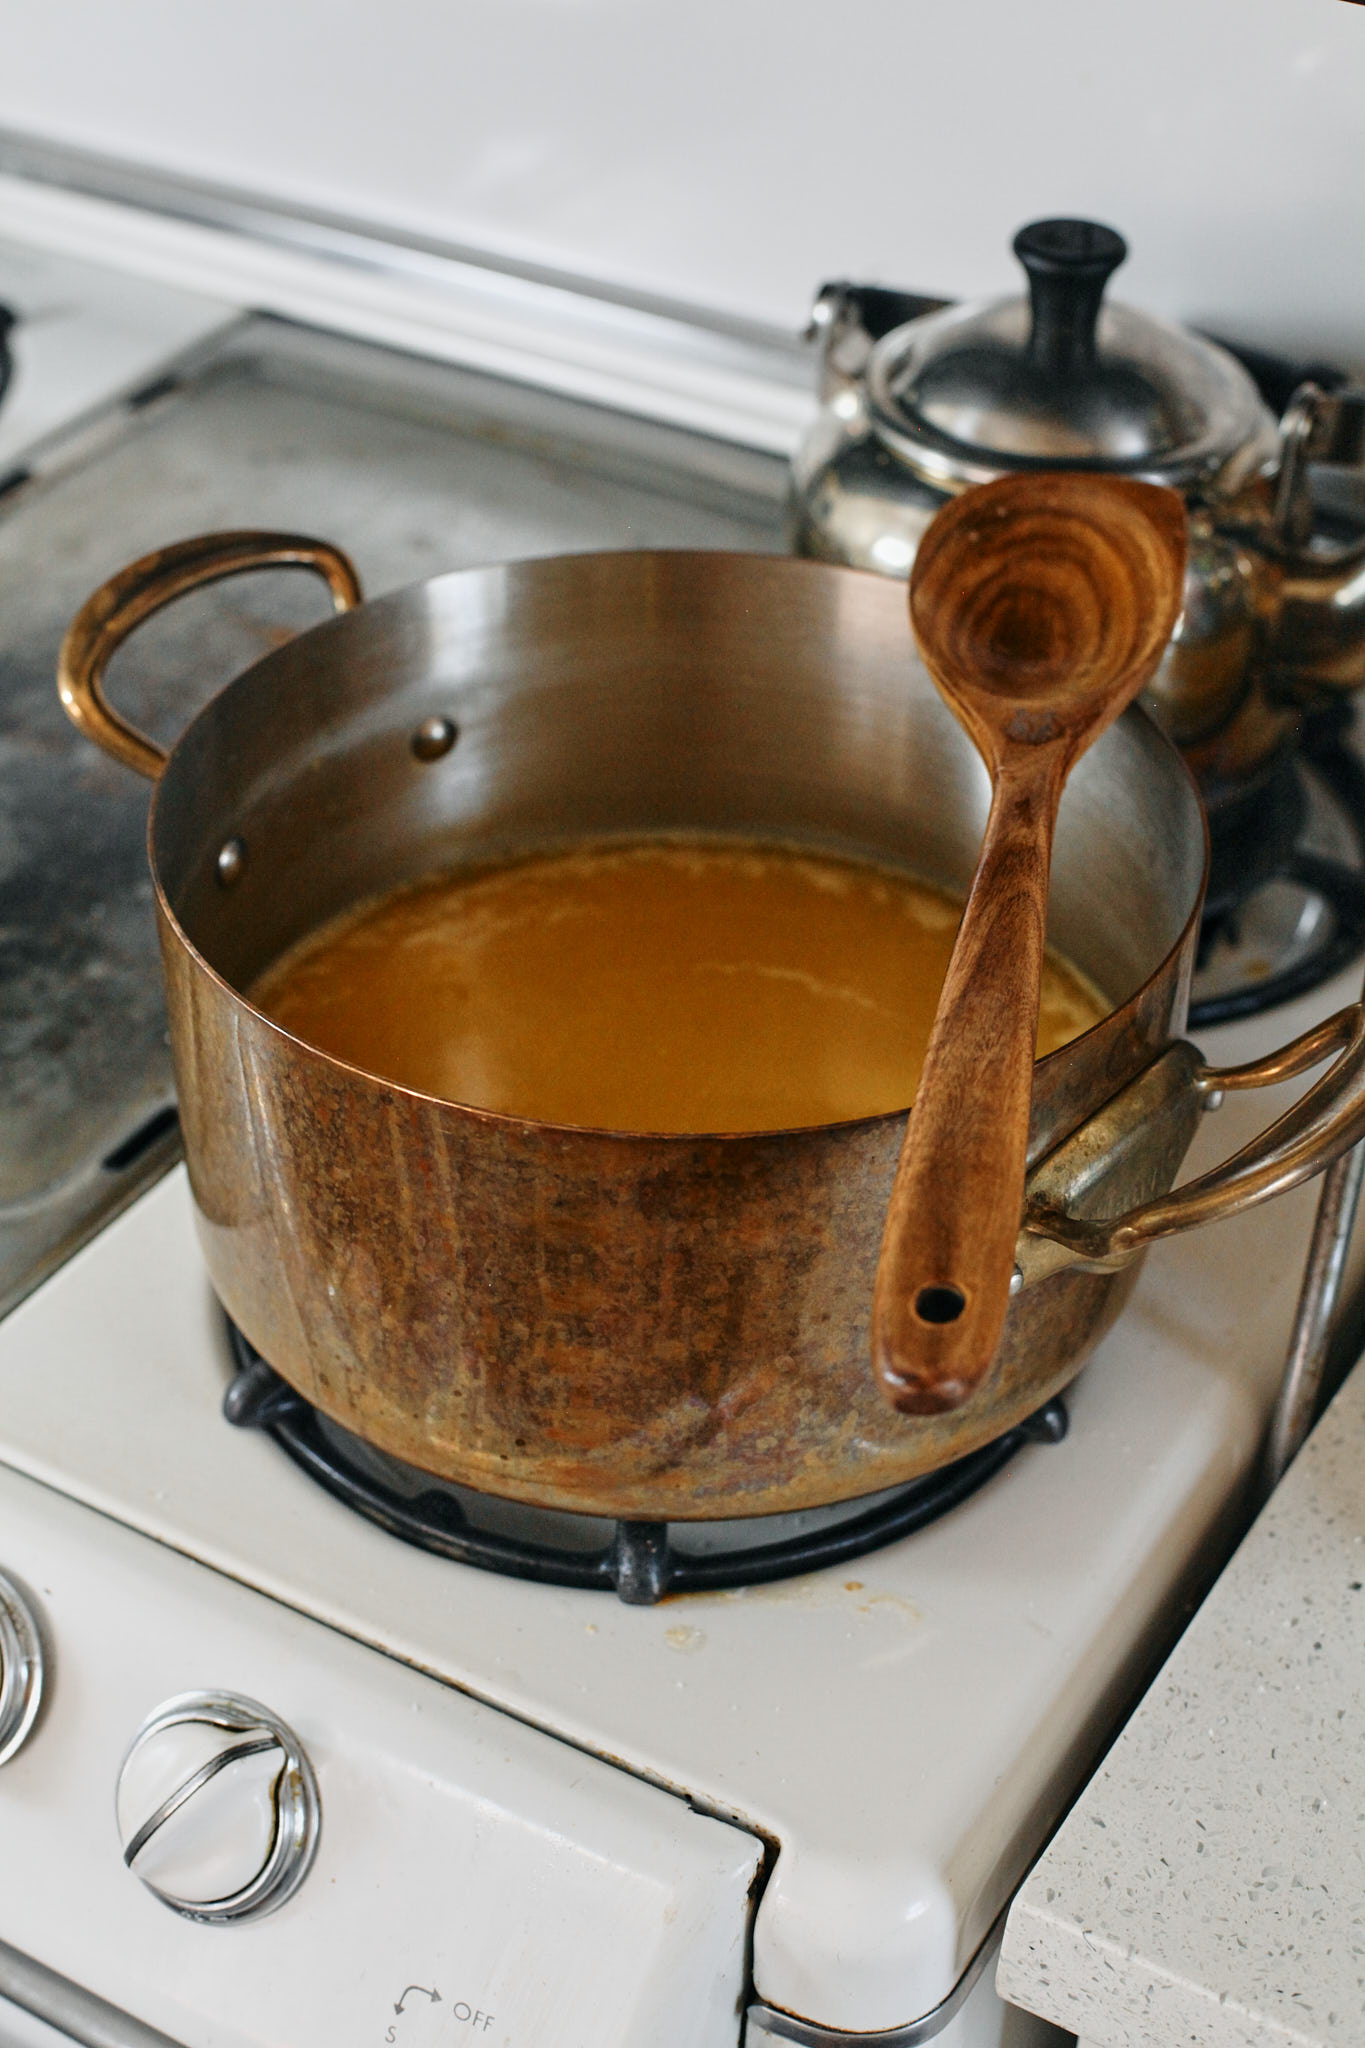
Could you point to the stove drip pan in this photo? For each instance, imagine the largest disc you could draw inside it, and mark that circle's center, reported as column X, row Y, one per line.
column 641, row 1562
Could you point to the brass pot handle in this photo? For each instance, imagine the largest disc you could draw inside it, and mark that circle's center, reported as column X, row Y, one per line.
column 1326, row 1121
column 106, row 619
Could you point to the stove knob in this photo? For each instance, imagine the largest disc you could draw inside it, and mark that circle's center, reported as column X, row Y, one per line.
column 218, row 1807
column 21, row 1669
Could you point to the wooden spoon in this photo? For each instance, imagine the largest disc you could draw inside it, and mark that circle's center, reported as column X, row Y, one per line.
column 1041, row 605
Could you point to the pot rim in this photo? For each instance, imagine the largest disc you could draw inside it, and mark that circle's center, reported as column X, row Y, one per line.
column 505, row 1119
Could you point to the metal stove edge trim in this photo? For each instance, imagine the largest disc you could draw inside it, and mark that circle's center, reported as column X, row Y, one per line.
column 723, row 375
column 78, row 2014
column 784, row 2026
column 370, row 244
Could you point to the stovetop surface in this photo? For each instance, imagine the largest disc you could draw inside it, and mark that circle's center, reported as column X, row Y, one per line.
column 413, row 468
column 904, row 1730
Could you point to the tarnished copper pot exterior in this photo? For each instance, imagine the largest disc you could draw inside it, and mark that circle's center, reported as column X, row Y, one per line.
column 632, row 1325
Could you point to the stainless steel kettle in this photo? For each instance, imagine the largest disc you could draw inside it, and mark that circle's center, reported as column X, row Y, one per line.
column 1274, row 612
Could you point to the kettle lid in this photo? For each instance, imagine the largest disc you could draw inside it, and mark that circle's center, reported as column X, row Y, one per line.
column 1062, row 378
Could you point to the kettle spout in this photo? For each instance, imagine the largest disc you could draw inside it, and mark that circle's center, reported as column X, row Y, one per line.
column 1319, row 640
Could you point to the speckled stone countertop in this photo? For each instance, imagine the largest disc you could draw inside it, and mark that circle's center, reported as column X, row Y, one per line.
column 1209, row 1886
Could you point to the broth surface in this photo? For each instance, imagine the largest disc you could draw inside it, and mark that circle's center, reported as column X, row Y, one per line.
column 662, row 985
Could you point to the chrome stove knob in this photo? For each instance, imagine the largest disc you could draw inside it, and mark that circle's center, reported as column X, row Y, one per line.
column 21, row 1669
column 218, row 1807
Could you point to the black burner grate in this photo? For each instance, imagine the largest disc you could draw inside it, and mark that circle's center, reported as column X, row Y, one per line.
column 1256, row 839
column 639, row 1561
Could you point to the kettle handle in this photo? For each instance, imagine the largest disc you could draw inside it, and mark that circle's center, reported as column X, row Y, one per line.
column 1327, row 1120
column 106, row 619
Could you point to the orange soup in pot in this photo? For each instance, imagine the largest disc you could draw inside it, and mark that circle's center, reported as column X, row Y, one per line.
column 662, row 985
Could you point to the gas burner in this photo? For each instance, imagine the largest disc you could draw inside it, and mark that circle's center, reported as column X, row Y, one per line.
column 1286, row 903
column 639, row 1561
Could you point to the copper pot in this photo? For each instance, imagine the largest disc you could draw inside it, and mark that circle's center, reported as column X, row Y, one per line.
column 639, row 1326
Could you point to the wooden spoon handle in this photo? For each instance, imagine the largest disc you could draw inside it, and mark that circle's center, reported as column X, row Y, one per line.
column 947, row 1257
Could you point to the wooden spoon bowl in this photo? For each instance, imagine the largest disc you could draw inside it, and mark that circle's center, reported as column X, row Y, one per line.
column 1041, row 604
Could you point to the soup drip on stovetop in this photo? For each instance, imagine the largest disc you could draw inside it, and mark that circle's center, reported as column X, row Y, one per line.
column 666, row 985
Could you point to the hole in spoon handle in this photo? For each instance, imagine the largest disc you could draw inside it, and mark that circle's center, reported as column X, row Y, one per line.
column 940, row 1304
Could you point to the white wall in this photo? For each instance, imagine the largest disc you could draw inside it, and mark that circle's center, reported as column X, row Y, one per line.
column 734, row 152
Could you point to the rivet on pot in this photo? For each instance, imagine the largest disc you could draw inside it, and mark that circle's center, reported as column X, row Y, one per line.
column 231, row 861
column 434, row 737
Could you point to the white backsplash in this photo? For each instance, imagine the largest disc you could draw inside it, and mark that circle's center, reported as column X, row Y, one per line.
column 732, row 153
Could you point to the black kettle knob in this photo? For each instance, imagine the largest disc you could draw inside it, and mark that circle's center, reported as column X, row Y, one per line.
column 1069, row 262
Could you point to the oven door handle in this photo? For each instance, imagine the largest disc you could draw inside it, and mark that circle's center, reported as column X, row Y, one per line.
column 107, row 618
column 1149, row 1125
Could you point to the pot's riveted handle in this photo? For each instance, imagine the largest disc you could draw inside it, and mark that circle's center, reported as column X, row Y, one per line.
column 106, row 619
column 1326, row 1121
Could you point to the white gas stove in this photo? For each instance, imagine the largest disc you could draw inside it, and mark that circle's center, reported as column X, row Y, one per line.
column 449, row 1805
column 586, row 1822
